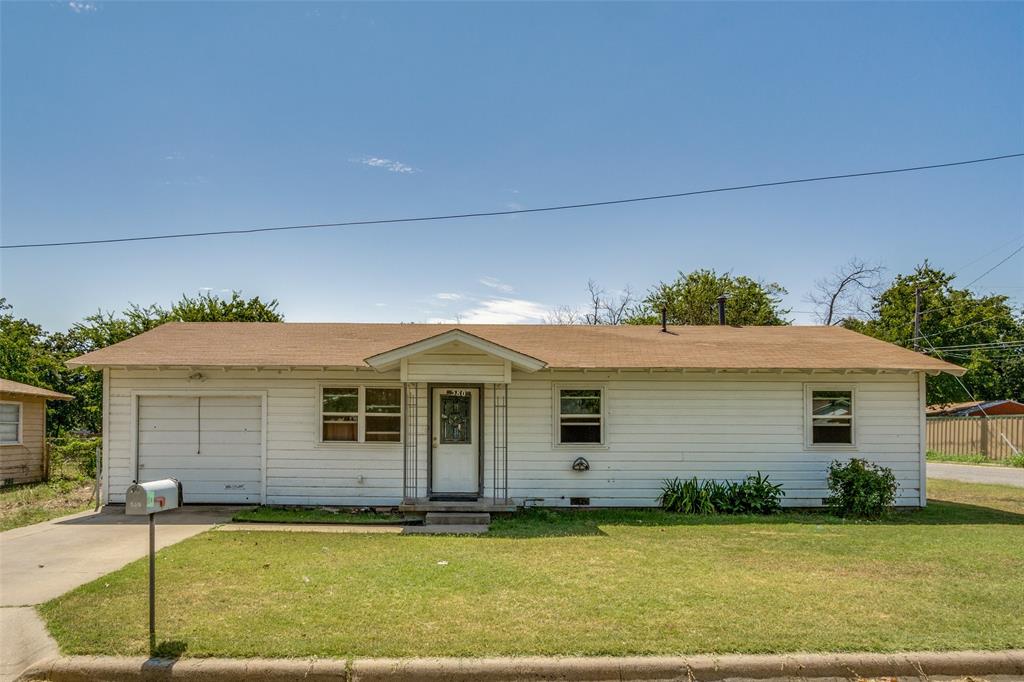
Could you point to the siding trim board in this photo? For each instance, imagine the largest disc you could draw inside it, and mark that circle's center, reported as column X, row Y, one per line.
column 657, row 425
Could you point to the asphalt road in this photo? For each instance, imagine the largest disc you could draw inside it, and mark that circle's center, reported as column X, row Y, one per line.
column 970, row 473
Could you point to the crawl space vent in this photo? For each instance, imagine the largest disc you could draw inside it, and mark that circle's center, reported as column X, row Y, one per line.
column 579, row 501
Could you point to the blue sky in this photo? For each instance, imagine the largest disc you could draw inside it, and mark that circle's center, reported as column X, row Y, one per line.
column 132, row 118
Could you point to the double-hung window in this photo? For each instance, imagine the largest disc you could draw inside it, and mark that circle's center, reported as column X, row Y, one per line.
column 830, row 416
column 10, row 423
column 360, row 414
column 579, row 415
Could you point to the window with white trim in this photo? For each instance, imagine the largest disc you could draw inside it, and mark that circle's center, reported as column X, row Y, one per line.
column 580, row 415
column 830, row 416
column 10, row 423
column 360, row 414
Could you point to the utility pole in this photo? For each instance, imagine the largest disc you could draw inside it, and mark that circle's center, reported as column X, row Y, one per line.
column 917, row 318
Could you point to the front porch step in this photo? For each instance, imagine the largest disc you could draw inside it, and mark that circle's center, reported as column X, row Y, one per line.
column 484, row 504
column 457, row 519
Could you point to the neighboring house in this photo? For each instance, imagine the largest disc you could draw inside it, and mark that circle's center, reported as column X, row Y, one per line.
column 977, row 408
column 502, row 415
column 23, row 431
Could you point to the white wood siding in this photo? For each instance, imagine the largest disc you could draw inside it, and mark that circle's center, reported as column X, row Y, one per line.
column 456, row 362
column 659, row 425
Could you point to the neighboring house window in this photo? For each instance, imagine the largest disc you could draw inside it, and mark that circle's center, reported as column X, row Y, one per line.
column 361, row 414
column 580, row 415
column 10, row 423
column 830, row 418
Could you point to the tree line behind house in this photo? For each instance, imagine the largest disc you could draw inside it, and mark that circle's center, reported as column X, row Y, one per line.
column 857, row 296
column 984, row 334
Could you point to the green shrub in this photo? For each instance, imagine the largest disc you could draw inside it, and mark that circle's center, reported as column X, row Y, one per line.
column 1016, row 460
column 860, row 488
column 754, row 495
column 73, row 457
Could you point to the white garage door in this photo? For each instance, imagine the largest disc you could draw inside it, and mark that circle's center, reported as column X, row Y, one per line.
column 211, row 444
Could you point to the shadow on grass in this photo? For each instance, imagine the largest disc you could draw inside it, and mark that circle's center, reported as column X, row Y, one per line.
column 537, row 523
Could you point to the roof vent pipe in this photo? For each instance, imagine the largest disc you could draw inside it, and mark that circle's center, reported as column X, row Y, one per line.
column 721, row 308
column 664, row 319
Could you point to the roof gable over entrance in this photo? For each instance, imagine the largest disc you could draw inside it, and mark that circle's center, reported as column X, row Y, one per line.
column 455, row 355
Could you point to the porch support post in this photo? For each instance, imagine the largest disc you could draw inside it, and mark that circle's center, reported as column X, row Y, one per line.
column 499, row 464
column 411, row 460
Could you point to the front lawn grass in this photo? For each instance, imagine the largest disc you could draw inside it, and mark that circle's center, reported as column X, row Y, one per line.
column 314, row 515
column 587, row 583
column 28, row 503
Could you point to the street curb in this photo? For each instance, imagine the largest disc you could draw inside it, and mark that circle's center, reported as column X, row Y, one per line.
column 574, row 669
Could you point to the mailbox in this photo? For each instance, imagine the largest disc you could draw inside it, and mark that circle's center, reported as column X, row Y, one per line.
column 153, row 497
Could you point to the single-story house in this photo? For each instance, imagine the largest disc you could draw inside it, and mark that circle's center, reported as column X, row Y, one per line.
column 23, row 456
column 502, row 415
column 976, row 408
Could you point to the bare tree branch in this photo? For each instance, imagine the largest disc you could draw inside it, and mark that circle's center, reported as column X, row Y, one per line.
column 842, row 294
column 603, row 308
column 563, row 314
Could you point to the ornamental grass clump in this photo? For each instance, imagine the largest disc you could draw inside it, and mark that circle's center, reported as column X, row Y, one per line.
column 753, row 495
column 860, row 489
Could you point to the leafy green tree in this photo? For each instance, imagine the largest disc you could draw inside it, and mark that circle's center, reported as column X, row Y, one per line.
column 30, row 355
column 692, row 299
column 957, row 318
column 24, row 355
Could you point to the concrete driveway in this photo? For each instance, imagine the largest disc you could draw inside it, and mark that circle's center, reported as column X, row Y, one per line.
column 969, row 473
column 43, row 561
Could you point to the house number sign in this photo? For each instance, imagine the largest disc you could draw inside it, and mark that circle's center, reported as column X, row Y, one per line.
column 456, row 391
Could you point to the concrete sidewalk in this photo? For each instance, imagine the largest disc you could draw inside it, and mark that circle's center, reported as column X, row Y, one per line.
column 969, row 473
column 45, row 560
column 930, row 666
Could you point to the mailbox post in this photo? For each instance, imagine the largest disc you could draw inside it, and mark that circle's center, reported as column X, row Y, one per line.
column 150, row 499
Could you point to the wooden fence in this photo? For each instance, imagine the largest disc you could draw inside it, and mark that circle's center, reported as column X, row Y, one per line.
column 992, row 437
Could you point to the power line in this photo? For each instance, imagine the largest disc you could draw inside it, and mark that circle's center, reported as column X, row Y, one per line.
column 486, row 214
column 1012, row 254
column 1007, row 343
column 979, row 277
column 946, row 331
column 986, row 255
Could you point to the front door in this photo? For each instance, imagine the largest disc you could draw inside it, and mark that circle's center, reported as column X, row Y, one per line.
column 455, row 451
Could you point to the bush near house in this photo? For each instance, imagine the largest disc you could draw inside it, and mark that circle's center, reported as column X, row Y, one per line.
column 753, row 495
column 860, row 489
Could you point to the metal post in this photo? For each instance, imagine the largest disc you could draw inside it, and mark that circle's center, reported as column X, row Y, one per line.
column 152, row 584
column 917, row 318
column 96, row 475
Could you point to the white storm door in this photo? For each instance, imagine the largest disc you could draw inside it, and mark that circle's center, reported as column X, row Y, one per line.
column 455, row 453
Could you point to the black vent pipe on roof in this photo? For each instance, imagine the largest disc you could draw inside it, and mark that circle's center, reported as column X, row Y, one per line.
column 664, row 319
column 721, row 308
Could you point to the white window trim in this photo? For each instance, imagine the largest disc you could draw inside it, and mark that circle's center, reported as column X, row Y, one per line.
column 21, row 422
column 556, row 410
column 360, row 416
column 809, row 443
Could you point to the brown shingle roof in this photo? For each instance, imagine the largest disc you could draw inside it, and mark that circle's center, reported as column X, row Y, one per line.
column 278, row 344
column 15, row 388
